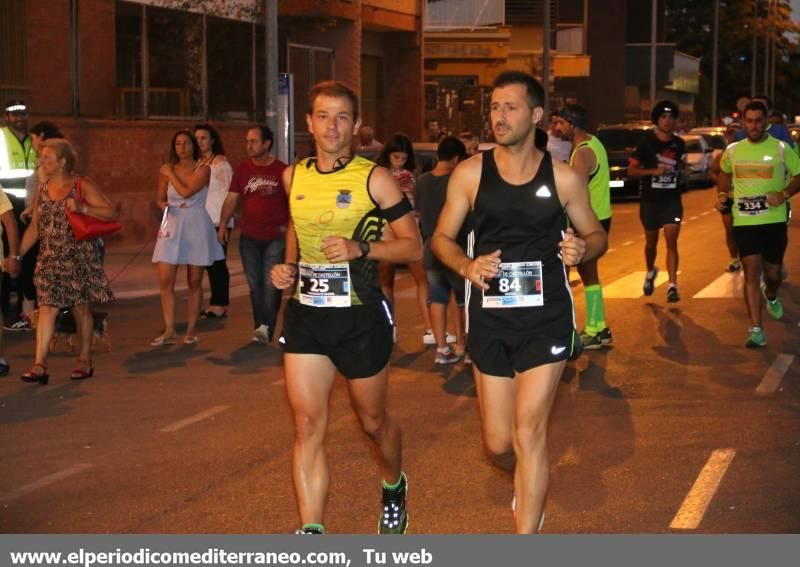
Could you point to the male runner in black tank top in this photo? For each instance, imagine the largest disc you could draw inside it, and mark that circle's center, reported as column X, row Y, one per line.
column 521, row 324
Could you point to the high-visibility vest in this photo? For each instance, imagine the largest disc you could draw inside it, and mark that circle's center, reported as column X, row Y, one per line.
column 17, row 159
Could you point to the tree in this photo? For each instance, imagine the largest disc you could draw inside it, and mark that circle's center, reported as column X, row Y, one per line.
column 690, row 24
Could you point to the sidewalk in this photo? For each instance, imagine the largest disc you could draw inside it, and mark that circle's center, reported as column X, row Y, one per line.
column 133, row 275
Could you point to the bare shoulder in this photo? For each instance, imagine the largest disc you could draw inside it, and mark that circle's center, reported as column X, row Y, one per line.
column 565, row 175
column 468, row 171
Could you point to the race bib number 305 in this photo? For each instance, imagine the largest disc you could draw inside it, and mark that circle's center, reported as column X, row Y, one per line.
column 517, row 284
column 324, row 285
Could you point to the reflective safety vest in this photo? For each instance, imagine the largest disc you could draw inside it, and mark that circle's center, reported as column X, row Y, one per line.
column 17, row 159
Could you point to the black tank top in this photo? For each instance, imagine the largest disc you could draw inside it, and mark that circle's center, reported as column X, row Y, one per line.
column 526, row 222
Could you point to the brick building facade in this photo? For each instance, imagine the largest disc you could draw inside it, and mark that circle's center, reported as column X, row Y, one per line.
column 81, row 66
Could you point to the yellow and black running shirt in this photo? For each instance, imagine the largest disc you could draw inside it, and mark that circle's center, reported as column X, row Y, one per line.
column 337, row 203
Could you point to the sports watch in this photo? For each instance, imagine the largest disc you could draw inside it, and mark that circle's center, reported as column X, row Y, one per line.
column 364, row 246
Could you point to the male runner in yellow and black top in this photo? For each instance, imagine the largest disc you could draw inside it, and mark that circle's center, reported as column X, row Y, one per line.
column 590, row 161
column 337, row 318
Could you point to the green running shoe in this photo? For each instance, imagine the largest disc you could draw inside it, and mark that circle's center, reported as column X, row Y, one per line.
column 394, row 517
column 775, row 308
column 757, row 339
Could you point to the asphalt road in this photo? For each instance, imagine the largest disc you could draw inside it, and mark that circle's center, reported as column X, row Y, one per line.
column 677, row 428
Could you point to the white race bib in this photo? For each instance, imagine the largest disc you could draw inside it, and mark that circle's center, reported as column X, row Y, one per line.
column 517, row 284
column 752, row 206
column 324, row 285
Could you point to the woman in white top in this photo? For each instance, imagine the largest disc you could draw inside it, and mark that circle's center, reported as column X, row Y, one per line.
column 213, row 155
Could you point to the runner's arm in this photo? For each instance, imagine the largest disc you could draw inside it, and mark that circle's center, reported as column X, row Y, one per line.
column 574, row 196
column 461, row 191
column 406, row 245
column 584, row 162
column 284, row 275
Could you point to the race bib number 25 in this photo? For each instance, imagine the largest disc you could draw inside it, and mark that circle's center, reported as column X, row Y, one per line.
column 517, row 284
column 324, row 285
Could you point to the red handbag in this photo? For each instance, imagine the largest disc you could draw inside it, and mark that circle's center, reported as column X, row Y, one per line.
column 86, row 227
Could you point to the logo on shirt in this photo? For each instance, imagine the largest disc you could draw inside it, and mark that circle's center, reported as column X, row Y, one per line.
column 299, row 197
column 344, row 198
column 265, row 186
column 543, row 191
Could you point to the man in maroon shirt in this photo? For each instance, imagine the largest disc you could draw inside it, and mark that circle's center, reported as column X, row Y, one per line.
column 257, row 182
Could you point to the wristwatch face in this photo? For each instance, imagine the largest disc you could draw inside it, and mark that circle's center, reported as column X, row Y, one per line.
column 364, row 246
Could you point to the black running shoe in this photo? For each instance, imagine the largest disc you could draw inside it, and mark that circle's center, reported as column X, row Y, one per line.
column 649, row 282
column 394, row 518
column 672, row 295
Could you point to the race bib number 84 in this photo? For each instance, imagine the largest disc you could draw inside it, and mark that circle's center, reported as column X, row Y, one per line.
column 324, row 285
column 517, row 284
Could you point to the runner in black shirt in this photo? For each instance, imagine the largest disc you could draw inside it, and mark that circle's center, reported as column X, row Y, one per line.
column 660, row 160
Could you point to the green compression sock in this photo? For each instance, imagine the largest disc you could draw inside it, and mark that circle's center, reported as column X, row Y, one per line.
column 595, row 311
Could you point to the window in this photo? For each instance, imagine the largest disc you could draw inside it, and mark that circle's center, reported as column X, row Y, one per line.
column 204, row 61
column 229, row 45
column 309, row 65
column 13, row 46
column 175, row 62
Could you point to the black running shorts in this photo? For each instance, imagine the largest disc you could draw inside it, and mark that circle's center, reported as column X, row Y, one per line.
column 505, row 356
column 655, row 215
column 768, row 240
column 357, row 339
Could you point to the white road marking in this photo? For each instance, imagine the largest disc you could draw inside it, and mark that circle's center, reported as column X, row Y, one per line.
column 772, row 379
column 693, row 218
column 705, row 213
column 194, row 419
column 45, row 481
column 630, row 286
column 728, row 285
column 610, row 250
column 628, row 243
column 696, row 502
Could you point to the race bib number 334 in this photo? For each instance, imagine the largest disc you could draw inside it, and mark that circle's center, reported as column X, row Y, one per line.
column 324, row 285
column 517, row 284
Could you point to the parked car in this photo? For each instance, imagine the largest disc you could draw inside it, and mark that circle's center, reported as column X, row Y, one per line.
column 714, row 137
column 620, row 140
column 699, row 159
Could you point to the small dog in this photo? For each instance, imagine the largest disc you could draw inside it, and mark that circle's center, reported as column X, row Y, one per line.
column 66, row 329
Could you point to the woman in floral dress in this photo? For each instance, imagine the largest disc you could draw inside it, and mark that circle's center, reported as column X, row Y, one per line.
column 69, row 273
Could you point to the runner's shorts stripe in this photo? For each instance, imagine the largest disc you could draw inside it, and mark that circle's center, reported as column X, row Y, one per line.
column 506, row 355
column 768, row 240
column 658, row 213
column 357, row 339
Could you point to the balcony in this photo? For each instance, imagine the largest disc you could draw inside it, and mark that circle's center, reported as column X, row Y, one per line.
column 446, row 15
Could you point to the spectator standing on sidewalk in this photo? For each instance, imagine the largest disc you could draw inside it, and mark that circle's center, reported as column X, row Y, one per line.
column 69, row 273
column 18, row 158
column 11, row 265
column 25, row 288
column 265, row 215
column 212, row 154
column 186, row 236
column 431, row 193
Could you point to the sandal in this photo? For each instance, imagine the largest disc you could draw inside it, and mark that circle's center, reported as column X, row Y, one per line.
column 191, row 340
column 163, row 340
column 33, row 376
column 208, row 314
column 81, row 374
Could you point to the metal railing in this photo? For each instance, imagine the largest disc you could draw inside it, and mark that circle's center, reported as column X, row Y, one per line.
column 444, row 15
column 161, row 102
